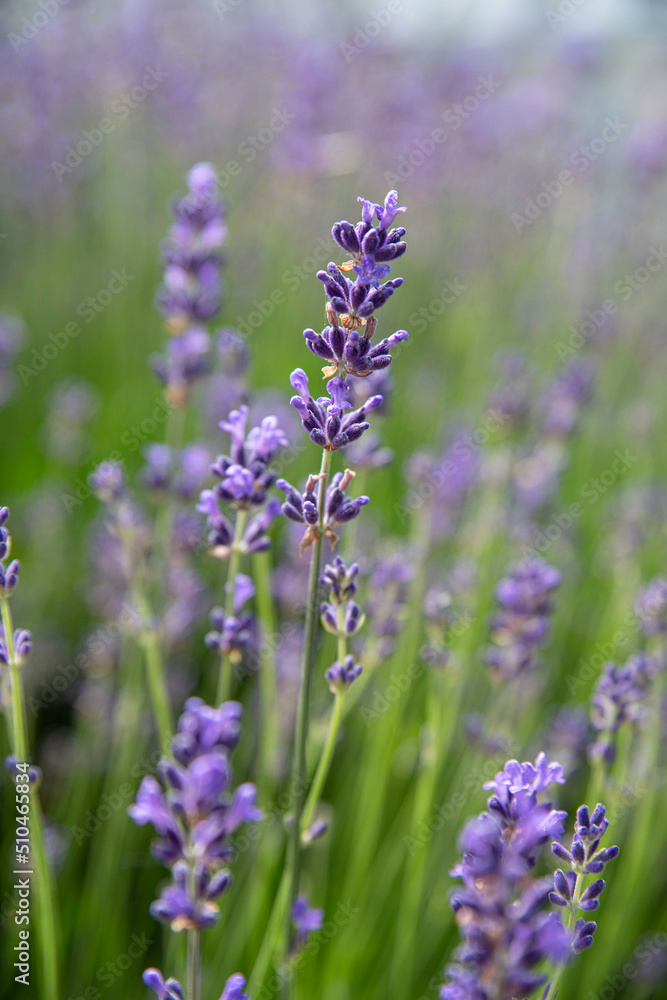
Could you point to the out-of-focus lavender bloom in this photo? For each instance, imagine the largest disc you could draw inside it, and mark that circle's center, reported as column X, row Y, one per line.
column 585, row 857
column 569, row 736
column 442, row 484
column 341, row 676
column 34, row 772
column 197, row 815
column 306, row 918
column 190, row 295
column 500, row 910
column 12, row 335
column 338, row 509
column 232, row 634
column 324, row 418
column 369, row 453
column 388, row 592
column 72, row 405
column 620, row 697
column 183, row 473
column 651, row 606
column 565, row 396
column 108, row 482
column 191, row 290
column 522, row 624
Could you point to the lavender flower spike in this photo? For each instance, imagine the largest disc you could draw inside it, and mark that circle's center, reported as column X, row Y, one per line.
column 500, row 909
column 338, row 509
column 306, row 918
column 324, row 417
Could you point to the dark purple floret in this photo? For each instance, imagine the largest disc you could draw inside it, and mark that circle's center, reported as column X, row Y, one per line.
column 324, row 418
column 352, row 352
column 341, row 676
column 169, row 990
column 338, row 509
column 34, row 772
column 523, row 622
column 22, row 644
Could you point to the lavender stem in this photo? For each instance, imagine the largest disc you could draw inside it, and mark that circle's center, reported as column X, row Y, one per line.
column 225, row 675
column 267, row 671
column 299, row 774
column 46, row 922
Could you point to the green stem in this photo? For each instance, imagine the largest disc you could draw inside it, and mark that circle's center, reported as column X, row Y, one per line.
column 19, row 728
column 46, row 920
column 271, row 935
column 299, row 773
column 324, row 763
column 150, row 642
column 45, row 911
column 225, row 675
column 194, row 965
column 269, row 727
column 574, row 905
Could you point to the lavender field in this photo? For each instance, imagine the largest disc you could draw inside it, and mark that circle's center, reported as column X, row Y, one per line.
column 333, row 520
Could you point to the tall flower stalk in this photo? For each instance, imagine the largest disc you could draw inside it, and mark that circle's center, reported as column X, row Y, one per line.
column 15, row 647
column 346, row 345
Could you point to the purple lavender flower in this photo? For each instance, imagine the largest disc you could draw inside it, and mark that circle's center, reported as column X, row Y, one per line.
column 585, row 857
column 12, row 334
column 341, row 676
column 197, row 814
column 191, row 256
column 522, row 624
column 108, row 482
column 500, row 910
column 190, row 295
column 620, row 698
column 388, row 593
column 350, row 351
column 244, row 473
column 651, row 606
column 232, row 634
column 340, row 614
column 169, row 990
column 324, row 418
column 307, row 919
column 338, row 509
